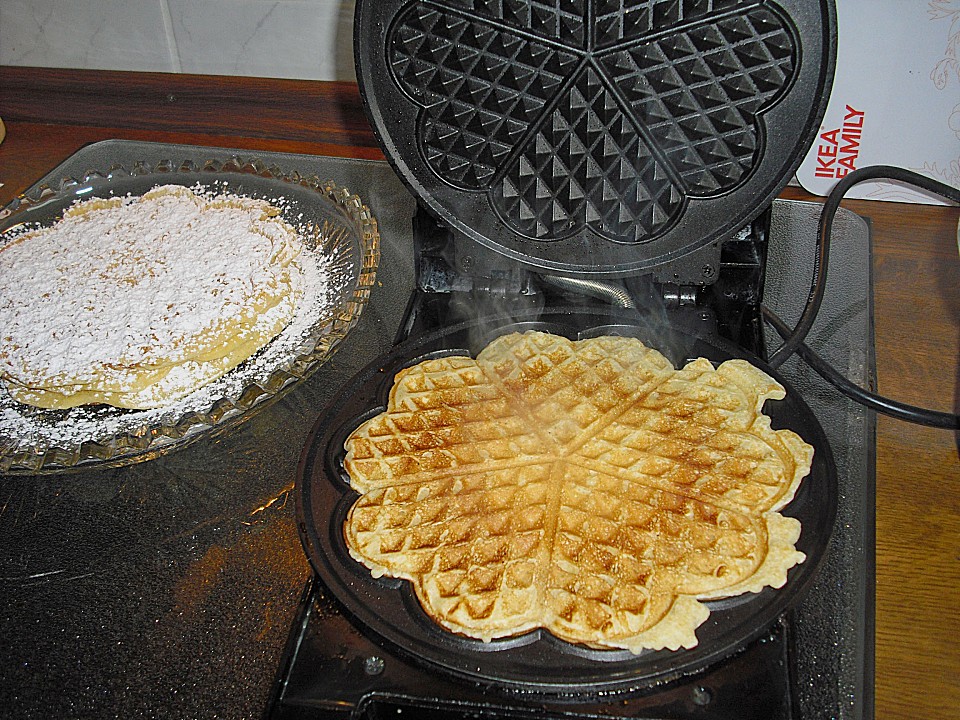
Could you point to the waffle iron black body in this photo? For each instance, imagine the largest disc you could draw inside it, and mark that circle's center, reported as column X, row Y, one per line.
column 583, row 139
column 536, row 664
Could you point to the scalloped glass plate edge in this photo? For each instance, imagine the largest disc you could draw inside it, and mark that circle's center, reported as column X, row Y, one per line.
column 150, row 440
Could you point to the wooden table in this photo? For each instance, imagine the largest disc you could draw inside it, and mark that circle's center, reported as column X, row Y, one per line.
column 49, row 114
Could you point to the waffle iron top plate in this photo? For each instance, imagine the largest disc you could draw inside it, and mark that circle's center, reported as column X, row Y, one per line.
column 595, row 138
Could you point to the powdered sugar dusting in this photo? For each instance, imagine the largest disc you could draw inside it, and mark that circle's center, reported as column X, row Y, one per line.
column 126, row 286
column 319, row 279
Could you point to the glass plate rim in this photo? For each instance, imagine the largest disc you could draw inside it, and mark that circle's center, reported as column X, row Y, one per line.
column 152, row 440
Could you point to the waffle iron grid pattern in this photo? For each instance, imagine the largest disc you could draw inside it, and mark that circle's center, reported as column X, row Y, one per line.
column 602, row 115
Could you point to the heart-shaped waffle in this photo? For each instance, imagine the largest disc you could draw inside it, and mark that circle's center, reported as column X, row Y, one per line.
column 585, row 487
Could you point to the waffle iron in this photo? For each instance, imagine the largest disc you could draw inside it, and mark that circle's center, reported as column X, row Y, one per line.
column 593, row 146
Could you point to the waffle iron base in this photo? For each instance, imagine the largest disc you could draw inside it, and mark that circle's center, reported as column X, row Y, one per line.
column 354, row 677
column 536, row 664
column 814, row 661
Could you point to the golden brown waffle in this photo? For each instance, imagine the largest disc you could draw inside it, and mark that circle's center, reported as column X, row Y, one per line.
column 138, row 301
column 583, row 487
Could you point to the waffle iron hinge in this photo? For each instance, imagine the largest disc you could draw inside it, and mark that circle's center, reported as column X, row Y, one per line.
column 478, row 271
column 736, row 292
column 719, row 287
column 449, row 262
column 714, row 290
column 678, row 288
column 458, row 279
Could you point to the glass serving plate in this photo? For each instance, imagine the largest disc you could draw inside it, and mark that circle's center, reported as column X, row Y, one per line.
column 338, row 230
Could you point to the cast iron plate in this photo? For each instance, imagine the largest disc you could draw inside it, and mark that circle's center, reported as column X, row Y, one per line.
column 591, row 137
column 536, row 663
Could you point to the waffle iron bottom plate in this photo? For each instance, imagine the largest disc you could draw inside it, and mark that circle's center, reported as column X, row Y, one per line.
column 536, row 663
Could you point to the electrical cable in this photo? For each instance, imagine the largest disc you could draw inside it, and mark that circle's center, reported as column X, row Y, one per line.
column 825, row 229
column 893, row 408
column 793, row 340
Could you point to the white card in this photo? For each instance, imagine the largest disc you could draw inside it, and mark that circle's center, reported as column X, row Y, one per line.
column 895, row 98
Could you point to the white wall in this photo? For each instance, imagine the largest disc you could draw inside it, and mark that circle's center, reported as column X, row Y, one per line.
column 302, row 39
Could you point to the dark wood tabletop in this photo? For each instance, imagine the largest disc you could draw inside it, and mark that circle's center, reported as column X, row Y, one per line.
column 51, row 113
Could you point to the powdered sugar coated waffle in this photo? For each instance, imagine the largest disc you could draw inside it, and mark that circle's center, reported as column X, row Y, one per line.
column 137, row 301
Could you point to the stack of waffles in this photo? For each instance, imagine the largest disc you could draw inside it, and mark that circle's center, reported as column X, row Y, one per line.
column 136, row 302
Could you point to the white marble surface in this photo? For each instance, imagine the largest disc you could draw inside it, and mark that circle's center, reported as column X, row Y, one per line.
column 303, row 39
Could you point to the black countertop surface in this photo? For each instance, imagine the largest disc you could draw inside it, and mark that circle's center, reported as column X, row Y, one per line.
column 166, row 588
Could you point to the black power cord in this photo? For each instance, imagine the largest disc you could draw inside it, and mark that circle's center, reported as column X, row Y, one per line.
column 793, row 340
column 896, row 409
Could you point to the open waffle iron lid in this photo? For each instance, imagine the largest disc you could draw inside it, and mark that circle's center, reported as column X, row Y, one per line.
column 589, row 137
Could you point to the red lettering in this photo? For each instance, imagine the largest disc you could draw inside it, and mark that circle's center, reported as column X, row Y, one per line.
column 833, row 159
column 830, row 137
column 852, row 147
column 853, row 115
